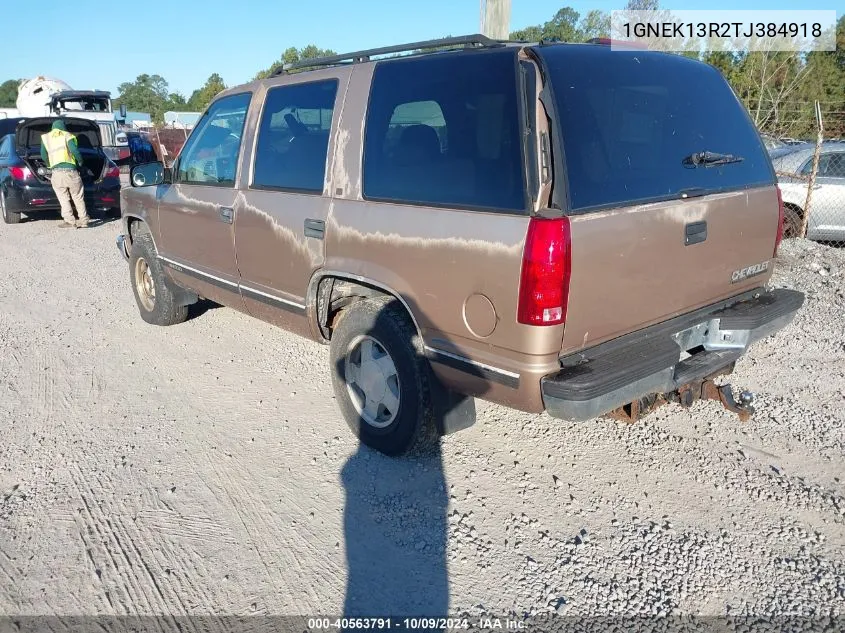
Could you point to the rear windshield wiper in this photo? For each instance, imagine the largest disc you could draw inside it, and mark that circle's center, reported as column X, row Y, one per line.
column 708, row 159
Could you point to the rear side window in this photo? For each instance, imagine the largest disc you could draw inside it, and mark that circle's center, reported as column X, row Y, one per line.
column 5, row 147
column 293, row 139
column 443, row 130
column 628, row 120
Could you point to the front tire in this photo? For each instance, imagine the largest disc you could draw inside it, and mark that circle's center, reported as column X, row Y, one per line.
column 9, row 217
column 381, row 378
column 155, row 300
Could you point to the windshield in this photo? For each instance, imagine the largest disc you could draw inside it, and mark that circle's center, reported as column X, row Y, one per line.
column 631, row 121
column 85, row 104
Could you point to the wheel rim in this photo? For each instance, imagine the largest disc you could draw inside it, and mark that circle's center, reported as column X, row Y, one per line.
column 793, row 223
column 3, row 205
column 372, row 381
column 144, row 284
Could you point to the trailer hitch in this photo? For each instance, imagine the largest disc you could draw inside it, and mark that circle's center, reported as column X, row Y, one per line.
column 686, row 395
column 709, row 390
column 724, row 394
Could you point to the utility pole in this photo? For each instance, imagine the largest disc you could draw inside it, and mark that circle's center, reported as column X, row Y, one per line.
column 496, row 18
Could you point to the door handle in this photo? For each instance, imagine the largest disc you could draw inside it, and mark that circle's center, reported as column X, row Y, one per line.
column 227, row 214
column 315, row 228
column 695, row 233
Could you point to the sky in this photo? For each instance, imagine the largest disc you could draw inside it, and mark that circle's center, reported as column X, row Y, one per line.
column 98, row 44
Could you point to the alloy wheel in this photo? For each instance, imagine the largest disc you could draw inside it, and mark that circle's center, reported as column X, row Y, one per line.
column 372, row 381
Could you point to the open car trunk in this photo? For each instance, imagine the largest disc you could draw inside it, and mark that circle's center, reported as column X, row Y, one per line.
column 28, row 144
column 93, row 161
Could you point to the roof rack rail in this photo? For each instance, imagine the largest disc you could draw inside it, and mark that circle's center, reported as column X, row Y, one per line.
column 463, row 41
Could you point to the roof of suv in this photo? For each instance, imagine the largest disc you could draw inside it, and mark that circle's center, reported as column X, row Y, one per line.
column 445, row 45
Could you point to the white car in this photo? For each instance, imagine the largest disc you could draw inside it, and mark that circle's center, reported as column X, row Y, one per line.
column 793, row 164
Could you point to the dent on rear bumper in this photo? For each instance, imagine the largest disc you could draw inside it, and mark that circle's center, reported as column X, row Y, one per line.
column 598, row 381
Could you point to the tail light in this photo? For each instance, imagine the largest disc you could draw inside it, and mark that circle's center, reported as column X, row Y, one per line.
column 781, row 219
column 20, row 173
column 546, row 268
column 112, row 172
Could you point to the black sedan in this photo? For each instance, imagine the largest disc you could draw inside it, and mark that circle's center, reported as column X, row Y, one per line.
column 25, row 181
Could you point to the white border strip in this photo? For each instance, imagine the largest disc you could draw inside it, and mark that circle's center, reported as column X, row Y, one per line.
column 194, row 270
column 231, row 283
column 273, row 297
column 463, row 359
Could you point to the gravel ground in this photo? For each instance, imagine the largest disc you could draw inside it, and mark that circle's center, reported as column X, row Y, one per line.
column 204, row 469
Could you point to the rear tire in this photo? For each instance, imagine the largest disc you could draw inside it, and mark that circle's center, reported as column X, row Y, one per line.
column 379, row 334
column 156, row 302
column 9, row 217
column 793, row 217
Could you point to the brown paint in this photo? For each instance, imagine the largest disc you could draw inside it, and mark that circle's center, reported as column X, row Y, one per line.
column 456, row 270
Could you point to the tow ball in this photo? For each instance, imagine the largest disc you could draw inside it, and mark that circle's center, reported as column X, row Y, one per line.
column 709, row 390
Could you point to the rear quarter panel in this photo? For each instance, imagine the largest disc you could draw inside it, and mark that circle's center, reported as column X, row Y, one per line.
column 444, row 263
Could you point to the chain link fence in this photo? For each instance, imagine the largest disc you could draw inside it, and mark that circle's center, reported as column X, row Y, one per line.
column 806, row 142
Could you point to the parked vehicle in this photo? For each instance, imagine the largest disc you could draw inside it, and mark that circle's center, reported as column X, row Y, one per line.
column 25, row 181
column 141, row 149
column 558, row 227
column 826, row 221
column 771, row 142
column 8, row 126
column 44, row 96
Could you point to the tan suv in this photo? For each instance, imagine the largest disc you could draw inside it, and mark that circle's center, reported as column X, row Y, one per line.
column 561, row 227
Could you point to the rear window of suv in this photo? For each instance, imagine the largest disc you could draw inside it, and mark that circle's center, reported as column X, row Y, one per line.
column 628, row 120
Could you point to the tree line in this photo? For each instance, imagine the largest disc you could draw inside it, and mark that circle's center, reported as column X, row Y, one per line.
column 778, row 88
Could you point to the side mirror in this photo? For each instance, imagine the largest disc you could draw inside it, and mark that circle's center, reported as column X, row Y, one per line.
column 122, row 110
column 147, row 175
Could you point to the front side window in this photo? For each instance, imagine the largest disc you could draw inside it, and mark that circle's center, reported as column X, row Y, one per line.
column 210, row 156
column 444, row 130
column 293, row 139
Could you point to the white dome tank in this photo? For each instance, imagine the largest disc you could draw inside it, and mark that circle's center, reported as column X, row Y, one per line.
column 34, row 95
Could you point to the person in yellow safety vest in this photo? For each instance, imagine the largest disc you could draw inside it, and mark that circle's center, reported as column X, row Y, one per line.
column 61, row 154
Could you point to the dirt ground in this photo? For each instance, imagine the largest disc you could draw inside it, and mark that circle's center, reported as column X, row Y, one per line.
column 204, row 469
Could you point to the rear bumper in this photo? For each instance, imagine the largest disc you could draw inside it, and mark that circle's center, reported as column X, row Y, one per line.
column 41, row 197
column 610, row 375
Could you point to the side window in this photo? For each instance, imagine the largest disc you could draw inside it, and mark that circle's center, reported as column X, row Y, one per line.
column 830, row 165
column 808, row 166
column 834, row 166
column 444, row 130
column 293, row 138
column 5, row 143
column 210, row 156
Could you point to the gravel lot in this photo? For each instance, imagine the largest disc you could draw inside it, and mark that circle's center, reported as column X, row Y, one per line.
column 204, row 469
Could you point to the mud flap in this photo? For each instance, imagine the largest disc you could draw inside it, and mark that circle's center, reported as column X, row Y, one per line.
column 181, row 296
column 452, row 411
